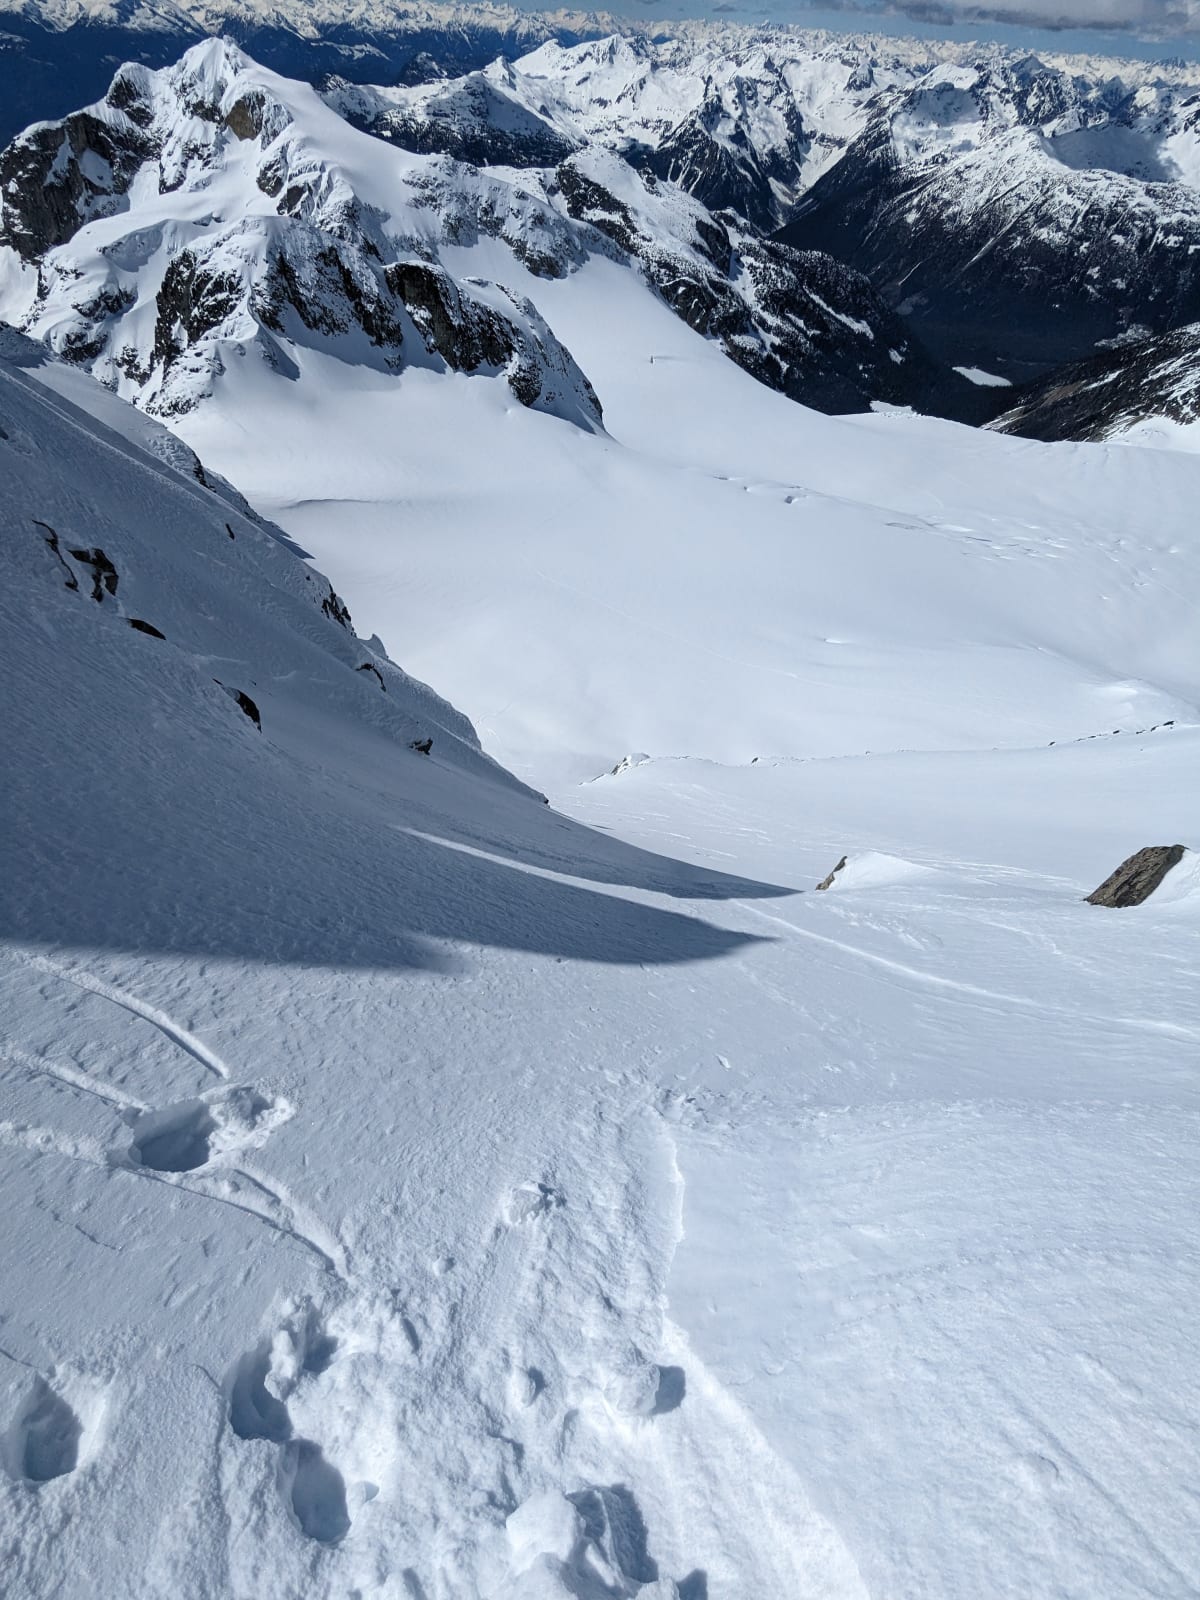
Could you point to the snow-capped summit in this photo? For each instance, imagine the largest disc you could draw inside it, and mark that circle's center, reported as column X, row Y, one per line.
column 212, row 209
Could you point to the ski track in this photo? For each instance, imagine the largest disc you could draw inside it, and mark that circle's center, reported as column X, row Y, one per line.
column 73, row 1077
column 174, row 1031
column 276, row 1211
column 261, row 1198
column 973, row 991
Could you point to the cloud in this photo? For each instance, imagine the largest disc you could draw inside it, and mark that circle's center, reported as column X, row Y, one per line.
column 1145, row 19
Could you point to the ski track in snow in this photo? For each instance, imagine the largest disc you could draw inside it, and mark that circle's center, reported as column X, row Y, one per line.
column 241, row 1188
column 175, row 1032
column 73, row 1077
column 971, row 991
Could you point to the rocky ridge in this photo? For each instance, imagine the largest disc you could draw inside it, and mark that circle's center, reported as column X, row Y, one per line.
column 1138, row 382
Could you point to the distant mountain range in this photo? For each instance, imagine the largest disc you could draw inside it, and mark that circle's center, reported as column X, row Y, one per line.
column 215, row 204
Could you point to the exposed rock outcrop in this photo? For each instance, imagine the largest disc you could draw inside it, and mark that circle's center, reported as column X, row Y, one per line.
column 827, row 881
column 1136, row 381
column 1136, row 879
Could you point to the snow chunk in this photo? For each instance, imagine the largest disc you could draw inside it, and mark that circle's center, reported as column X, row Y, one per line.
column 545, row 1525
column 632, row 1389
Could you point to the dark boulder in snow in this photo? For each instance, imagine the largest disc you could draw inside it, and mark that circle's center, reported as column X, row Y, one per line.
column 243, row 702
column 1138, row 876
column 104, row 574
column 145, row 627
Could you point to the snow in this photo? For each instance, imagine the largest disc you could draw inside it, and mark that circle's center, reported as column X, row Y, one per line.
column 549, row 634
column 413, row 1189
column 986, row 380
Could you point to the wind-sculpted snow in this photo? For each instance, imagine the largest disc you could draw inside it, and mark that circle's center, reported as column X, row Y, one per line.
column 191, row 218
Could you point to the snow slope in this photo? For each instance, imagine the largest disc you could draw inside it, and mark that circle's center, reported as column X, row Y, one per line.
column 789, row 585
column 413, row 1189
column 324, row 868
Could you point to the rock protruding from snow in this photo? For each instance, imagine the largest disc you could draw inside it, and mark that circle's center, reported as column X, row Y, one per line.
column 220, row 582
column 1138, row 876
column 827, row 881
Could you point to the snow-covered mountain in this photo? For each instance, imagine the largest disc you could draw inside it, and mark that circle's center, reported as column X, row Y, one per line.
column 758, row 1172
column 1019, row 214
column 1015, row 211
column 194, row 212
column 205, row 211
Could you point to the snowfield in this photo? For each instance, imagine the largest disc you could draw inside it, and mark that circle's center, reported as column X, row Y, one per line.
column 413, row 1189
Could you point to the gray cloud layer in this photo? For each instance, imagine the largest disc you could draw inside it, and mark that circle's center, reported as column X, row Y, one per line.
column 1148, row 19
